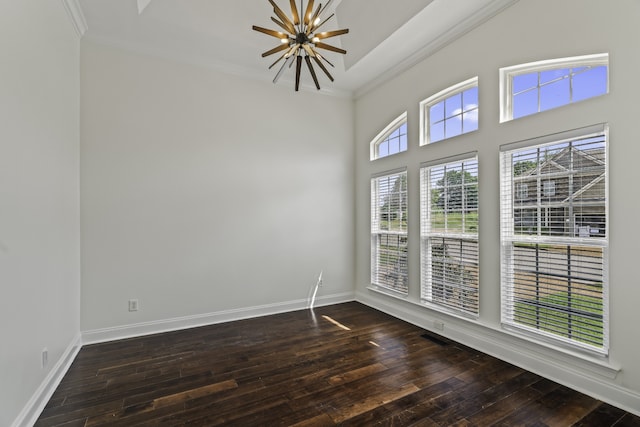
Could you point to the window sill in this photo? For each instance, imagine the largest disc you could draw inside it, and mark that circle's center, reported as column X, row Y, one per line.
column 517, row 343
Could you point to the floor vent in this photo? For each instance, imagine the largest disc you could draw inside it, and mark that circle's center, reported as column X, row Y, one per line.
column 435, row 339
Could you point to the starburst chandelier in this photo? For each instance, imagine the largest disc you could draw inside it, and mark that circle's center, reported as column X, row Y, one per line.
column 301, row 39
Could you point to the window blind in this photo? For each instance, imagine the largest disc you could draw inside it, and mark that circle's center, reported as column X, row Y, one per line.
column 449, row 235
column 554, row 240
column 389, row 232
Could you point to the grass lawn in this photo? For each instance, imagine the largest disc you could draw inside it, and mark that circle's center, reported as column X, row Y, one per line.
column 552, row 314
column 455, row 221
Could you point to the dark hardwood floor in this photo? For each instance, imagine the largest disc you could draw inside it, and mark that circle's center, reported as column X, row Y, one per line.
column 343, row 364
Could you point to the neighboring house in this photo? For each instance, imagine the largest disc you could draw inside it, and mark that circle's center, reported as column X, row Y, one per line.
column 564, row 195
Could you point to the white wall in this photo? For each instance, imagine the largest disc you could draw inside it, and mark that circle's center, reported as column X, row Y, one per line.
column 528, row 31
column 39, row 196
column 204, row 192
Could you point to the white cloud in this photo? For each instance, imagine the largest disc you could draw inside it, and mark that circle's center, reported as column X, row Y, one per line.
column 470, row 116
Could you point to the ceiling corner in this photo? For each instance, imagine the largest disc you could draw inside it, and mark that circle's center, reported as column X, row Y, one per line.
column 74, row 11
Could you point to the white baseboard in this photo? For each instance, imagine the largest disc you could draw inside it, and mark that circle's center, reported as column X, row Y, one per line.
column 590, row 378
column 32, row 410
column 166, row 325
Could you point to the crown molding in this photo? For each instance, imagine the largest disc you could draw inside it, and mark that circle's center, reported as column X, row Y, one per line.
column 77, row 17
column 215, row 65
column 142, row 4
column 446, row 38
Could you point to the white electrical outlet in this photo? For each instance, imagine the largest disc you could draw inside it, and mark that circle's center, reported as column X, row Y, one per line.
column 438, row 324
column 45, row 357
column 133, row 305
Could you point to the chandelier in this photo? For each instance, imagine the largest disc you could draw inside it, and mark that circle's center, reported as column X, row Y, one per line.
column 301, row 39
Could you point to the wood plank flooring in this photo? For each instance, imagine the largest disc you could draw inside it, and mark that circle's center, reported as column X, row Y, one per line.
column 345, row 364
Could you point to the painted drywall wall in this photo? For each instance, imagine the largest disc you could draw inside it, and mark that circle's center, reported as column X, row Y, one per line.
column 204, row 192
column 528, row 31
column 39, row 196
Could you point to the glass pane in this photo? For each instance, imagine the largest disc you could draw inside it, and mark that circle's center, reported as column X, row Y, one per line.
column 436, row 112
column 590, row 83
column 470, row 99
column 453, row 127
column 525, row 103
column 470, row 121
column 453, row 105
column 394, row 146
column 403, row 142
column 383, row 149
column 554, row 95
column 436, row 132
column 524, row 82
column 551, row 75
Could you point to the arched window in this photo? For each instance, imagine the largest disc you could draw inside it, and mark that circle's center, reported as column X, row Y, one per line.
column 450, row 112
column 538, row 86
column 392, row 140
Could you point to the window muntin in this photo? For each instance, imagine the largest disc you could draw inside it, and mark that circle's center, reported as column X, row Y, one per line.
column 450, row 113
column 392, row 139
column 389, row 232
column 554, row 245
column 449, row 235
column 539, row 86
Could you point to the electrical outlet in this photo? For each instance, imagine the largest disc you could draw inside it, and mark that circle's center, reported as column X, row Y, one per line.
column 45, row 357
column 438, row 324
column 133, row 305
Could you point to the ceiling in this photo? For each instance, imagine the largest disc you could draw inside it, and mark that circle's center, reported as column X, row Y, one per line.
column 384, row 38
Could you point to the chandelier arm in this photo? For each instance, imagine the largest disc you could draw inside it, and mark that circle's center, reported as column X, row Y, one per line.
column 325, row 7
column 314, row 28
column 315, row 16
column 294, row 12
column 284, row 66
column 284, row 27
column 298, row 68
column 272, row 33
column 329, row 34
column 325, row 46
column 307, row 14
column 312, row 71
column 323, row 68
column 283, row 17
column 325, row 60
column 275, row 50
column 309, row 50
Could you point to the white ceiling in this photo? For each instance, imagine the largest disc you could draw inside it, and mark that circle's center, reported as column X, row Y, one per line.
column 385, row 36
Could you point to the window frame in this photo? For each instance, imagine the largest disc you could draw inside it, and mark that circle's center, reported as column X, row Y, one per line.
column 509, row 238
column 443, row 95
column 506, row 75
column 428, row 235
column 384, row 136
column 400, row 269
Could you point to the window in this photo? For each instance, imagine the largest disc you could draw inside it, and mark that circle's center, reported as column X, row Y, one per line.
column 449, row 235
column 538, row 86
column 389, row 232
column 554, row 240
column 392, row 140
column 450, row 113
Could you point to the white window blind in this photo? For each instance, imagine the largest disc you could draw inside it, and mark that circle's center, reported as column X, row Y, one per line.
column 449, row 235
column 554, row 240
column 389, row 232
